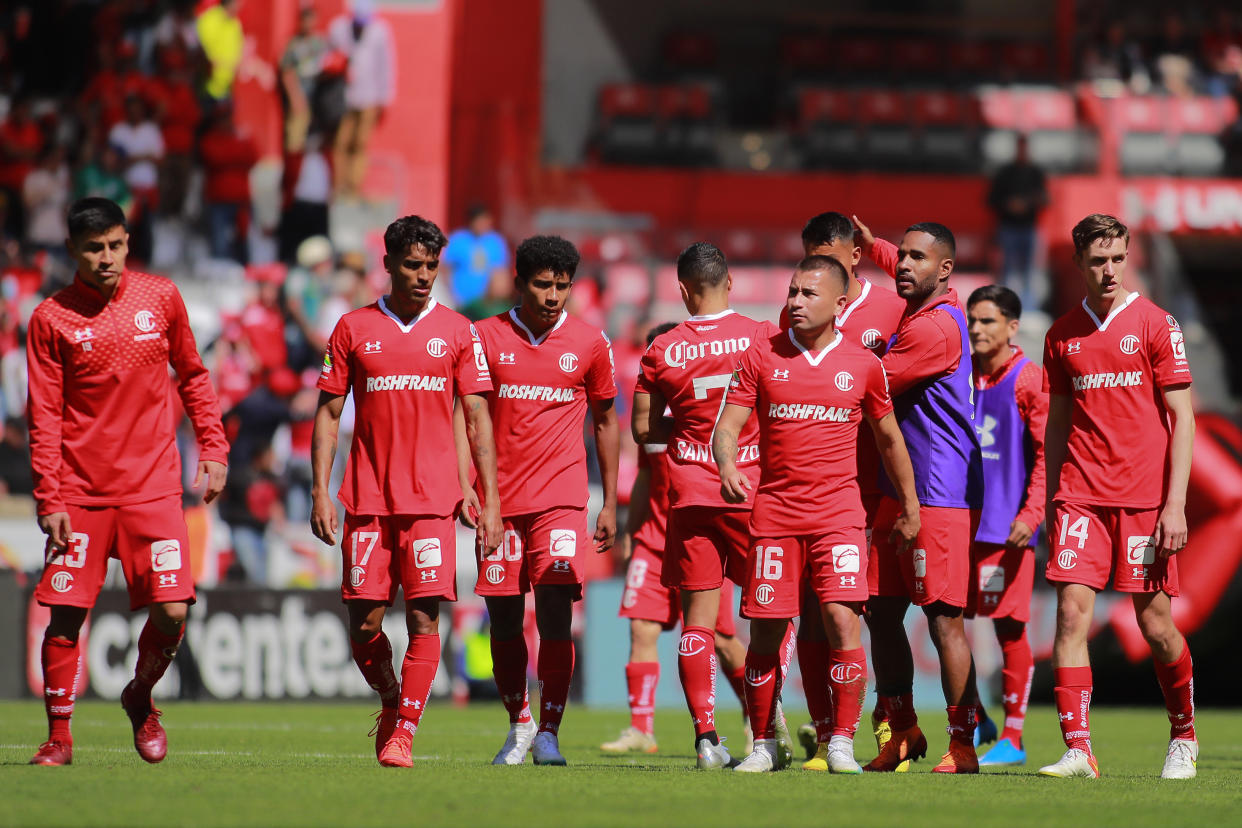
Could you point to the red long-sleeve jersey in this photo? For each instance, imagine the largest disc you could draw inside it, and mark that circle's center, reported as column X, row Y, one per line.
column 101, row 410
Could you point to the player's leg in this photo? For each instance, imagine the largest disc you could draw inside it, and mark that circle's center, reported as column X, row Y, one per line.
column 372, row 653
column 554, row 610
column 763, row 685
column 813, row 654
column 1001, row 588
column 1175, row 672
column 696, row 660
column 642, row 674
column 510, row 664
column 847, row 681
column 731, row 656
column 418, row 671
column 60, row 659
column 1071, row 670
column 893, row 663
column 957, row 678
column 157, row 646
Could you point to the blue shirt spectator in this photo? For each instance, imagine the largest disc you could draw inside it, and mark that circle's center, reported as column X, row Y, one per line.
column 474, row 255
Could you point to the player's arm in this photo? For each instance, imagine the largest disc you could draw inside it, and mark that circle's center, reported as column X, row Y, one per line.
column 647, row 421
column 324, row 520
column 881, row 251
column 1171, row 532
column 608, row 450
column 199, row 400
column 1033, row 408
column 483, row 450
column 733, row 484
column 896, row 459
column 635, row 515
column 44, row 418
column 920, row 352
column 1056, row 444
column 470, row 508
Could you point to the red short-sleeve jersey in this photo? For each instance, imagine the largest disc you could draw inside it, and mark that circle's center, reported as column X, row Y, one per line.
column 1114, row 370
column 403, row 460
column 654, row 456
column 690, row 368
column 543, row 386
column 810, row 406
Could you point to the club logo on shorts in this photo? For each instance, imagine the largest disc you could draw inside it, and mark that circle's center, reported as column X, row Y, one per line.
column 764, row 595
column 1067, row 558
column 845, row 558
column 165, row 556
column 357, row 575
column 1129, row 344
column 844, row 381
column 569, row 363
column 691, row 644
column 991, row 579
column 562, row 543
column 871, row 339
column 494, row 574
column 427, row 553
column 62, row 581
column 845, row 673
column 437, row 347
column 1140, row 549
column 144, row 321
column 755, row 678
column 920, row 563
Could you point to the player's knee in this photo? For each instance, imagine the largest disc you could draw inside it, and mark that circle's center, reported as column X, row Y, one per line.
column 841, row 620
column 767, row 634
column 169, row 617
column 66, row 622
column 1073, row 620
column 1158, row 628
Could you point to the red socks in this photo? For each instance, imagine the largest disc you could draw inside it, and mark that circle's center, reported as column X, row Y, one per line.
column 641, row 678
column 1019, row 667
column 418, row 670
column 1072, row 692
column 737, row 680
column 155, row 652
column 60, row 676
column 696, row 666
column 1177, row 682
column 847, row 682
column 510, row 661
column 899, row 711
column 763, row 686
column 962, row 724
column 374, row 660
column 555, row 669
column 813, row 658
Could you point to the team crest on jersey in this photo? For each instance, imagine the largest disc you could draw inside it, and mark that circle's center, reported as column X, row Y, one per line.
column 844, row 381
column 437, row 347
column 871, row 339
column 62, row 581
column 1129, row 344
column 144, row 321
column 569, row 363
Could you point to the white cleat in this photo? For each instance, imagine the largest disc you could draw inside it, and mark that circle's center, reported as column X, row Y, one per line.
column 712, row 757
column 632, row 740
column 513, row 752
column 748, row 736
column 1075, row 762
column 761, row 760
column 545, row 750
column 841, row 756
column 784, row 739
column 1181, row 760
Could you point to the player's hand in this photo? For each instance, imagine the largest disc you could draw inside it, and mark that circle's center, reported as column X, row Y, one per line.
column 1171, row 533
column 605, row 529
column 56, row 526
column 491, row 529
column 324, row 518
column 734, row 487
column 1019, row 535
column 862, row 234
column 905, row 530
column 216, row 474
column 470, row 507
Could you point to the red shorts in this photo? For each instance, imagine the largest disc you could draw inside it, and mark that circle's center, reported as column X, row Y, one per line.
column 937, row 566
column 150, row 540
column 832, row 565
column 380, row 552
column 1088, row 543
column 705, row 545
column 539, row 548
column 646, row 599
column 1001, row 582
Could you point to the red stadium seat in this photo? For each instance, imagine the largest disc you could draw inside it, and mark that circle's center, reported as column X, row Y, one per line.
column 742, row 245
column 883, row 106
column 687, row 101
column 1025, row 60
column 830, row 137
column 817, row 105
column 918, row 56
column 689, row 53
column 628, row 130
column 888, row 140
column 626, row 285
column 972, row 59
column 941, row 108
column 861, row 55
column 806, row 54
column 627, row 100
column 998, row 108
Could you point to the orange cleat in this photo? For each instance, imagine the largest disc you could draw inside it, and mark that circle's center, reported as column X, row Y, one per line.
column 961, row 758
column 385, row 723
column 150, row 740
column 903, row 745
column 396, row 753
column 53, row 753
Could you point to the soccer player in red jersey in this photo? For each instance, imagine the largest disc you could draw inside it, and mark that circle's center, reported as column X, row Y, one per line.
column 653, row 607
column 404, row 358
column 811, row 389
column 549, row 368
column 107, row 475
column 687, row 370
column 870, row 319
column 1117, row 366
column 1011, row 410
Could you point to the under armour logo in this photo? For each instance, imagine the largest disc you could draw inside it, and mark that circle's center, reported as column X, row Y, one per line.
column 414, row 703
column 1010, row 698
column 559, row 708
column 1073, row 347
column 1066, row 717
column 986, row 437
column 372, row 347
column 508, row 359
column 780, row 374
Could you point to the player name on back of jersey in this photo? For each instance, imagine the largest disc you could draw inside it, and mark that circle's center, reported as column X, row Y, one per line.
column 406, row 382
column 1107, row 379
column 699, row 453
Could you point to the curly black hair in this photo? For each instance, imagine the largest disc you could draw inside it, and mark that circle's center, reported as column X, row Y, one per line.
column 409, row 231
column 540, row 253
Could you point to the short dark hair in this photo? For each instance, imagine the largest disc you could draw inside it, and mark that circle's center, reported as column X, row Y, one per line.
column 540, row 253
column 702, row 264
column 1098, row 226
column 937, row 231
column 828, row 264
column 408, row 231
column 1005, row 300
column 92, row 216
column 659, row 330
column 827, row 228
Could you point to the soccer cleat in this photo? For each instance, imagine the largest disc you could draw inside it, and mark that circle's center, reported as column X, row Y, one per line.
column 809, row 739
column 517, row 743
column 902, row 747
column 960, row 758
column 1181, row 760
column 150, row 740
column 632, row 740
column 1075, row 762
column 985, row 731
column 883, row 732
column 1004, row 752
column 841, row 756
column 53, row 752
column 818, row 762
column 784, row 739
column 385, row 721
column 545, row 750
column 762, row 759
column 396, row 752
column 711, row 757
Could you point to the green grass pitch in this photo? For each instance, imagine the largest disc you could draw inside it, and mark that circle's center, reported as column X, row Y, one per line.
column 312, row 764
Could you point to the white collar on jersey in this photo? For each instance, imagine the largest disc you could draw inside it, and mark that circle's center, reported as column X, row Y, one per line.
column 814, row 359
column 383, row 306
column 858, row 300
column 708, row 317
column 1112, row 314
column 536, row 341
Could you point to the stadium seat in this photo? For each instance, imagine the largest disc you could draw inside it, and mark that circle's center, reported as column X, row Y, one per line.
column 1024, row 61
column 687, row 135
column 1142, row 124
column 888, row 129
column 742, row 245
column 1197, row 124
column 918, row 57
column 1048, row 117
column 946, row 137
column 971, row 60
column 806, row 56
column 862, row 57
column 629, row 130
column 689, row 55
column 830, row 136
